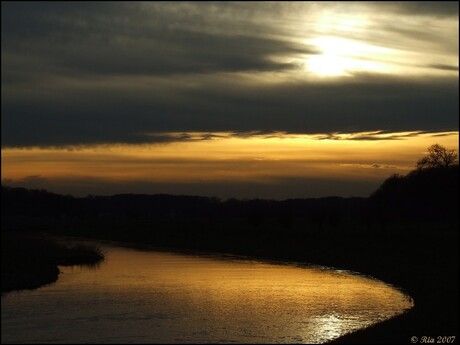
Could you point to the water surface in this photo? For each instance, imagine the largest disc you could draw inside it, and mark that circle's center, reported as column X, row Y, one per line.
column 160, row 297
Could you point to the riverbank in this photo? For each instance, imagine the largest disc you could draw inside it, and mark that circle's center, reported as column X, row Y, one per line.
column 426, row 268
column 30, row 261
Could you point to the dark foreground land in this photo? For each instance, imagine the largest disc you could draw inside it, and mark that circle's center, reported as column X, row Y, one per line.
column 30, row 260
column 406, row 234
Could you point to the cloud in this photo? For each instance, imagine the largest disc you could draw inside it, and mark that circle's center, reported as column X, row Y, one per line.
column 93, row 73
column 444, row 67
column 372, row 166
column 425, row 8
column 375, row 135
column 122, row 39
column 31, row 181
column 440, row 134
column 70, row 114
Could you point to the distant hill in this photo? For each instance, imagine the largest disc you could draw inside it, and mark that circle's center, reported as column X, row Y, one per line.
column 423, row 195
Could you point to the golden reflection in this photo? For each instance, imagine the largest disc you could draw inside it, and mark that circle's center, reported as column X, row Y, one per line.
column 329, row 326
column 303, row 305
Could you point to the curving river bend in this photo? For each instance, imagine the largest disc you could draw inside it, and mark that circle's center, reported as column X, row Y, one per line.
column 160, row 297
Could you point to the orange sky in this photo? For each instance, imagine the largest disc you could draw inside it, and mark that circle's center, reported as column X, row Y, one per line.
column 256, row 159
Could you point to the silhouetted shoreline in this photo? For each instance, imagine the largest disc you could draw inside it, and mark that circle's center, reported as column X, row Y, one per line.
column 30, row 261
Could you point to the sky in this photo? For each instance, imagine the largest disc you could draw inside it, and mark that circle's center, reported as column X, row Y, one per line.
column 229, row 99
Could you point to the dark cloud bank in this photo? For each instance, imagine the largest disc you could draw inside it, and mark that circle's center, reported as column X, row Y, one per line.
column 97, row 116
column 84, row 73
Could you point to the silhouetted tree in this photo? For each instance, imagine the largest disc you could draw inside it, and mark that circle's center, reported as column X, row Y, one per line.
column 438, row 157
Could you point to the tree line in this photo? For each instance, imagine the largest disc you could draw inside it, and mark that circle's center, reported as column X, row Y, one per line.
column 427, row 194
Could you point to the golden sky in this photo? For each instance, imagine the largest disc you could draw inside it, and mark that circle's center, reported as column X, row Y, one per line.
column 266, row 159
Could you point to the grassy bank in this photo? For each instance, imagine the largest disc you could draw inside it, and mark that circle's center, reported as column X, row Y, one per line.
column 30, row 260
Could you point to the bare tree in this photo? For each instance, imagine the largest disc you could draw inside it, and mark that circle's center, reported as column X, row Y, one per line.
column 438, row 157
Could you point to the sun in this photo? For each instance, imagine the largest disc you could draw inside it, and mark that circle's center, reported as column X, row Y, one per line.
column 326, row 65
column 341, row 57
column 337, row 56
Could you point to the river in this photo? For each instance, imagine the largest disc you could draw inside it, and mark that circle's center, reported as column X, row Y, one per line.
column 138, row 296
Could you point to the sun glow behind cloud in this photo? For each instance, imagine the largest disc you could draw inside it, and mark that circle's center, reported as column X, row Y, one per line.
column 341, row 56
column 346, row 44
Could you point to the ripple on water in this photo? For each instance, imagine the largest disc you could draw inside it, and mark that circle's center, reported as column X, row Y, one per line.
column 159, row 297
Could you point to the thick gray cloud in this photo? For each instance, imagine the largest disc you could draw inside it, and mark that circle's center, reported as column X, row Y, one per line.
column 444, row 67
column 73, row 116
column 95, row 72
column 429, row 8
column 120, row 38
